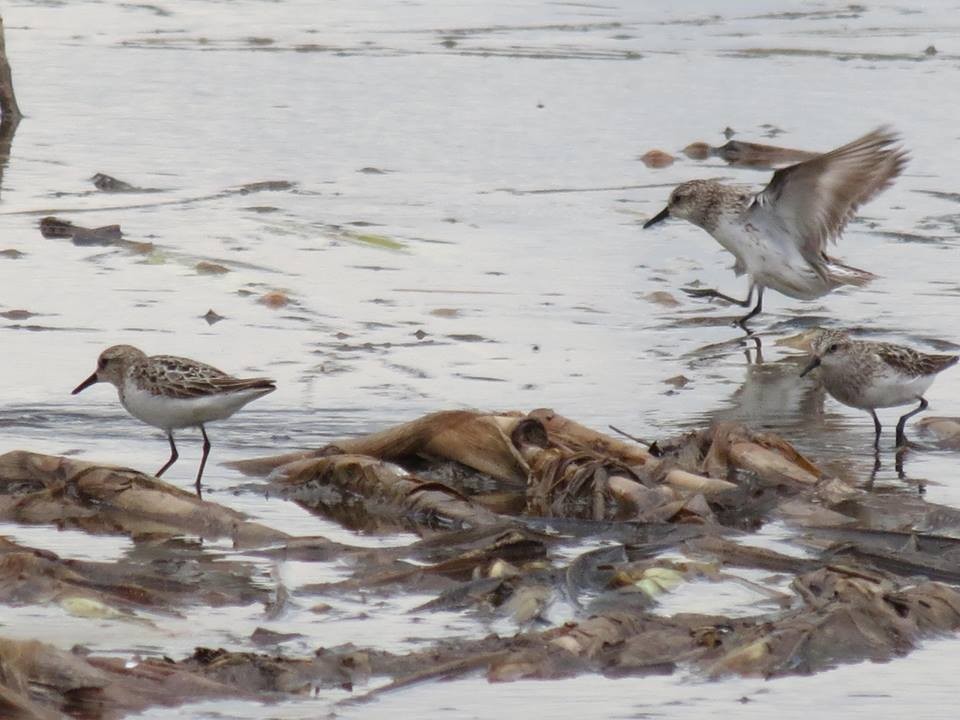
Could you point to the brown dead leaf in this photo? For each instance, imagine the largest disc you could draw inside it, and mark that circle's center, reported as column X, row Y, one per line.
column 697, row 151
column 274, row 299
column 657, row 159
column 210, row 268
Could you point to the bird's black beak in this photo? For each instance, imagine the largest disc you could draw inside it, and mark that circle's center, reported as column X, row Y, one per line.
column 814, row 363
column 86, row 383
column 659, row 217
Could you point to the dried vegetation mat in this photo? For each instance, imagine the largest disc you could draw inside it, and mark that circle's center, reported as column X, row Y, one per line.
column 576, row 540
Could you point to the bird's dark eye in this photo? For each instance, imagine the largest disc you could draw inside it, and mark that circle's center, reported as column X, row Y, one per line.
column 101, row 363
column 678, row 197
column 833, row 347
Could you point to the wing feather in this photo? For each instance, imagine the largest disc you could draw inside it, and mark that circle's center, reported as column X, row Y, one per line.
column 183, row 378
column 814, row 200
column 908, row 361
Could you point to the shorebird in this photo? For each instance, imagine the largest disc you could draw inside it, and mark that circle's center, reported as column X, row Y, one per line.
column 779, row 236
column 172, row 392
column 870, row 375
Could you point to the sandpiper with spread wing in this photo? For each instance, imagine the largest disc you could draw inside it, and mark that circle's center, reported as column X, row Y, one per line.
column 171, row 392
column 779, row 236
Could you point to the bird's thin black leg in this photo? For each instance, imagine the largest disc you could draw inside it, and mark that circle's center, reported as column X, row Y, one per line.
column 173, row 455
column 901, row 436
column 742, row 322
column 876, row 426
column 710, row 293
column 203, row 460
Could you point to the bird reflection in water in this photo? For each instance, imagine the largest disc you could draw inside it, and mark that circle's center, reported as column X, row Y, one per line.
column 774, row 397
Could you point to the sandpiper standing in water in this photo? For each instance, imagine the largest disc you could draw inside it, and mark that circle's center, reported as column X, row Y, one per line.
column 779, row 236
column 870, row 375
column 172, row 392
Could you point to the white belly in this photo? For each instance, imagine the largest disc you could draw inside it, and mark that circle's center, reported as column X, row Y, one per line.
column 891, row 390
column 169, row 413
column 887, row 389
column 776, row 265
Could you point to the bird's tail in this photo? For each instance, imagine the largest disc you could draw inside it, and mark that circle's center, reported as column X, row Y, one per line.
column 846, row 275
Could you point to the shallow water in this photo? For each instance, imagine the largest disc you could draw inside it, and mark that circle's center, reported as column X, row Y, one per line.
column 469, row 170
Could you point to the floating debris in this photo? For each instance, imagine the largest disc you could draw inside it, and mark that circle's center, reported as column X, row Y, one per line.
column 662, row 297
column 274, row 299
column 755, row 155
column 212, row 317
column 371, row 239
column 205, row 267
column 107, row 183
column 698, row 151
column 500, row 501
column 747, row 154
column 657, row 159
column 17, row 314
column 52, row 227
column 445, row 312
column 266, row 186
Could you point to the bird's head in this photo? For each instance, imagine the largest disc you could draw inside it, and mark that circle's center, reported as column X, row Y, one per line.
column 829, row 349
column 693, row 201
column 111, row 366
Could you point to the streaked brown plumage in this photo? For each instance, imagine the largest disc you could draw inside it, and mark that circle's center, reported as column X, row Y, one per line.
column 870, row 375
column 779, row 236
column 171, row 392
column 184, row 378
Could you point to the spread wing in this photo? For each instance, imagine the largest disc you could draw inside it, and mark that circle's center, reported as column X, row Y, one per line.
column 183, row 378
column 813, row 200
